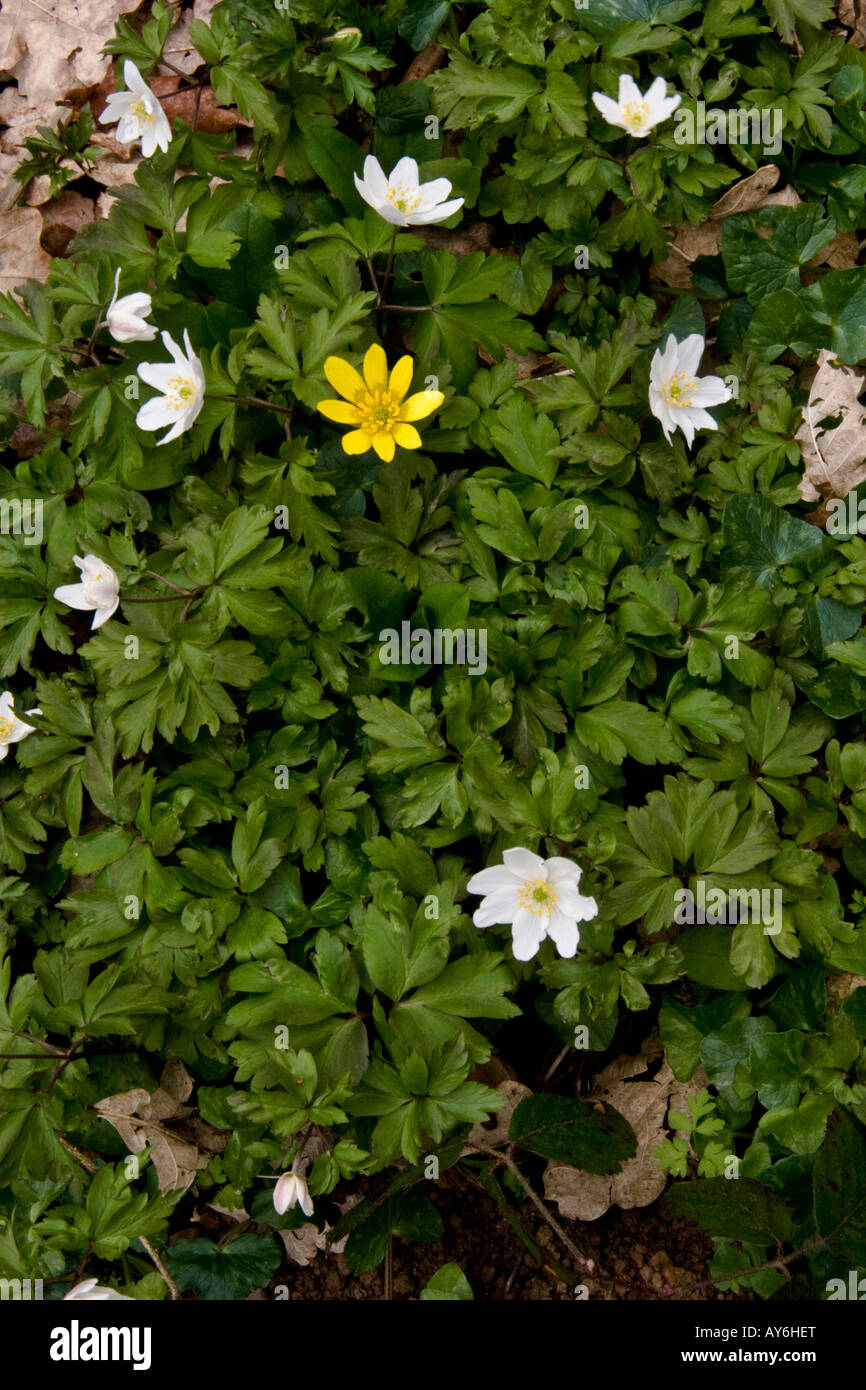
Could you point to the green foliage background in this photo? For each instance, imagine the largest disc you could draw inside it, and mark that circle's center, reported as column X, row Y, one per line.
column 169, row 893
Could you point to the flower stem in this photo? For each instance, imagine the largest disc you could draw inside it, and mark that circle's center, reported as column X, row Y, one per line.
column 254, row 401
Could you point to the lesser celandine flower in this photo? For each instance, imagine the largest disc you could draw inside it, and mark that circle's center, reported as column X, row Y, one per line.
column 400, row 198
column 12, row 729
column 138, row 114
column 88, row 1291
column 677, row 396
column 375, row 404
column 182, row 384
column 537, row 897
column 291, row 1190
column 98, row 593
column 125, row 317
column 634, row 112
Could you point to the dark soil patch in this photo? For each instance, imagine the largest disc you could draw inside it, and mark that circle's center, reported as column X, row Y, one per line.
column 641, row 1253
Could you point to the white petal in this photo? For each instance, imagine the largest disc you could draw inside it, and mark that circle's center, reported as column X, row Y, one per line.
column 629, row 90
column 527, row 934
column 609, row 109
column 562, row 871
column 437, row 214
column 711, row 390
column 562, row 930
column 374, row 178
column 75, row 596
column 497, row 909
column 436, row 191
column 689, row 354
column 154, row 414
column 405, row 171
column 524, row 863
column 490, row 880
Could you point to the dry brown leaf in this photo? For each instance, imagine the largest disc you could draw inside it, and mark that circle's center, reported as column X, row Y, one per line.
column 841, row 987
column 514, row 1093
column 52, row 45
column 304, row 1242
column 852, row 13
column 179, row 48
column 425, row 62
column 841, row 254
column 180, row 1140
column 706, row 239
column 21, row 255
column 834, row 456
column 746, row 195
column 583, row 1196
column 62, row 218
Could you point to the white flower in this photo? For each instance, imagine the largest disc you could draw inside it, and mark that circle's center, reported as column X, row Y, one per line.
column 182, row 384
column 12, row 729
column 291, row 1190
column 538, row 897
column 676, row 396
column 125, row 317
column 401, row 199
column 98, row 593
column 88, row 1291
column 634, row 112
column 138, row 114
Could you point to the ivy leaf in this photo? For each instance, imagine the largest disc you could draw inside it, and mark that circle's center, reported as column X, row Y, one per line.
column 573, row 1132
column 234, row 1272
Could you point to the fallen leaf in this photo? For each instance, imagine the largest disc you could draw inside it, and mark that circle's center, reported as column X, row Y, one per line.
column 852, row 13
column 425, row 62
column 179, row 47
column 583, row 1196
column 841, row 987
column 832, row 436
column 62, row 218
column 746, row 195
column 180, row 1140
column 52, row 45
column 706, row 239
column 461, row 241
column 497, row 1133
column 21, row 255
column 303, row 1244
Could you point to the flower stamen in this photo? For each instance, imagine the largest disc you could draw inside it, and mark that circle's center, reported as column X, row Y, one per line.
column 537, row 896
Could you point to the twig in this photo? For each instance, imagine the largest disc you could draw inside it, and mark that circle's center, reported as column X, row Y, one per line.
column 389, row 1270
column 535, row 1200
column 166, row 1277
column 84, row 1159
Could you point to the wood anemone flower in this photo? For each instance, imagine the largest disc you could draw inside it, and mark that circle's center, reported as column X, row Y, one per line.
column 375, row 404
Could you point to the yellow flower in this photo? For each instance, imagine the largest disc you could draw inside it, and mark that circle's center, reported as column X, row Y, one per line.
column 374, row 404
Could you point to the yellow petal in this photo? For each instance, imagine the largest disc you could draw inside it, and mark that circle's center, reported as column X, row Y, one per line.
column 407, row 437
column 376, row 367
column 342, row 411
column 421, row 404
column 384, row 446
column 343, row 378
column 401, row 378
column 356, row 442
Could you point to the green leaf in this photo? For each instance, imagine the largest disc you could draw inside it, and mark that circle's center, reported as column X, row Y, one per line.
column 448, row 1285
column 233, row 1272
column 743, row 1210
column 573, row 1132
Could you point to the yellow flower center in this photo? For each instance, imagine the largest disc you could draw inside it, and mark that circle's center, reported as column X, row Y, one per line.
column 182, row 392
column 635, row 114
column 140, row 111
column 379, row 411
column 537, row 896
column 402, row 198
column 679, row 390
column 5, row 729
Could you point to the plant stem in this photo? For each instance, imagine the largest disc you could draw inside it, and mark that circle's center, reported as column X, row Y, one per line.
column 534, row 1199
column 253, row 401
column 164, row 1274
